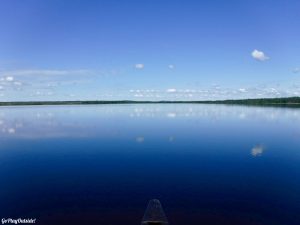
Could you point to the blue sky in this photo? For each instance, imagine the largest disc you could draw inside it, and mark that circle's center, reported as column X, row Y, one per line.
column 149, row 50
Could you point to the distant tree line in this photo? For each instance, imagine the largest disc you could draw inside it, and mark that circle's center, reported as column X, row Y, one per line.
column 263, row 101
column 290, row 101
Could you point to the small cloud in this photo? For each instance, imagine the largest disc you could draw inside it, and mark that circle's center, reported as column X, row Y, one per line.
column 139, row 66
column 257, row 150
column 296, row 70
column 259, row 55
column 9, row 78
column 243, row 90
column 17, row 83
column 171, row 90
column 46, row 72
column 171, row 67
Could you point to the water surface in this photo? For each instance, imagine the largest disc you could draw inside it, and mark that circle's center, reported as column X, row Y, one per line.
column 208, row 164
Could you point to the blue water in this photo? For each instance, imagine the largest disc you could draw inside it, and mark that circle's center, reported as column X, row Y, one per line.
column 208, row 164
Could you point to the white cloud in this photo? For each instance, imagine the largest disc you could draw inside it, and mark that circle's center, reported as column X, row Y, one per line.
column 45, row 72
column 171, row 90
column 171, row 67
column 139, row 66
column 9, row 78
column 243, row 90
column 17, row 83
column 259, row 55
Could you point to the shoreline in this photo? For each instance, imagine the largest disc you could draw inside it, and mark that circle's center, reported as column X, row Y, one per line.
column 280, row 102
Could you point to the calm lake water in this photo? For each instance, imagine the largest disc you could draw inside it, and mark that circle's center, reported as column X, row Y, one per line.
column 208, row 164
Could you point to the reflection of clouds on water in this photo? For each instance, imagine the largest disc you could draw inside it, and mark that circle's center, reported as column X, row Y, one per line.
column 216, row 112
column 38, row 122
column 171, row 139
column 242, row 115
column 140, row 139
column 171, row 115
column 120, row 120
column 257, row 150
column 11, row 130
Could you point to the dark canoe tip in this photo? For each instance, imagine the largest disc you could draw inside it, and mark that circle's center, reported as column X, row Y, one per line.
column 154, row 214
column 154, row 223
